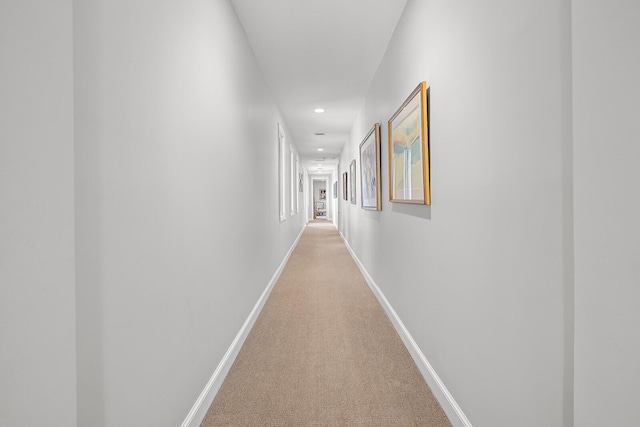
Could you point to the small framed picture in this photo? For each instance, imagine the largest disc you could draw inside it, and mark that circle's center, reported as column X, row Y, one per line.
column 370, row 170
column 345, row 180
column 352, row 183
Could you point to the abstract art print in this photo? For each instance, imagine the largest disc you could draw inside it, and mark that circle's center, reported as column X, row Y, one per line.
column 409, row 150
column 370, row 170
column 352, row 183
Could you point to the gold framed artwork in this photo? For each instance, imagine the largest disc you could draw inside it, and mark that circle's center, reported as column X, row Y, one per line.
column 370, row 170
column 409, row 150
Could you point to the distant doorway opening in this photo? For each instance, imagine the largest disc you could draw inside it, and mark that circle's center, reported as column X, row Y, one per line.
column 320, row 199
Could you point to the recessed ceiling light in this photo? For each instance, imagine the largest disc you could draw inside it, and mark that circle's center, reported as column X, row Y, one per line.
column 319, row 110
column 320, row 149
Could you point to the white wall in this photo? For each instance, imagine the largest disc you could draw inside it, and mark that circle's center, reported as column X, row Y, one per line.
column 478, row 277
column 175, row 243
column 37, row 295
column 606, row 65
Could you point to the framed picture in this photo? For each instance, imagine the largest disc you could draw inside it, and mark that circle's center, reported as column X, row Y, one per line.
column 323, row 194
column 345, row 179
column 300, row 182
column 352, row 184
column 335, row 190
column 292, row 182
column 281, row 175
column 370, row 170
column 409, row 150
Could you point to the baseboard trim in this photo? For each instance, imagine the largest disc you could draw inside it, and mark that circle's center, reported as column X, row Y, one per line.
column 440, row 391
column 199, row 410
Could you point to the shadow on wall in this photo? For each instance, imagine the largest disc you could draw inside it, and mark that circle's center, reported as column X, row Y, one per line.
column 419, row 211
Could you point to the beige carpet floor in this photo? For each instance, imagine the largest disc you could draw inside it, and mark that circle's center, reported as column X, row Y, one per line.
column 323, row 352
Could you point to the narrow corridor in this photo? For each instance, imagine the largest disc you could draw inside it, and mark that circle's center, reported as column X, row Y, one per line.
column 323, row 352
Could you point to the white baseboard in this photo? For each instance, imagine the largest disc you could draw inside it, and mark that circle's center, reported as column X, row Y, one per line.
column 199, row 410
column 439, row 390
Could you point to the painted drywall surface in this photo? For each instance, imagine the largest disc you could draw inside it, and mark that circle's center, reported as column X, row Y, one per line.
column 37, row 295
column 175, row 240
column 478, row 276
column 606, row 65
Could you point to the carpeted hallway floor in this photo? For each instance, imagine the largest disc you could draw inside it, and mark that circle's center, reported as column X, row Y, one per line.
column 323, row 352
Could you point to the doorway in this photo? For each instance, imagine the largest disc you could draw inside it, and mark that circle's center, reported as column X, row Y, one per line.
column 320, row 199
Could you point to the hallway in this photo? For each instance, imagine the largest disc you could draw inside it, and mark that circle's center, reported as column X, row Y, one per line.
column 157, row 159
column 323, row 352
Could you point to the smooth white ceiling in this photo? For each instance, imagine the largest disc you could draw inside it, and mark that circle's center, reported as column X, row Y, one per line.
column 319, row 53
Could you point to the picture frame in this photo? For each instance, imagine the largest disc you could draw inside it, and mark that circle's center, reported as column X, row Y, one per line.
column 293, row 194
column 335, row 189
column 370, row 170
column 352, row 183
column 345, row 180
column 296, row 174
column 409, row 150
column 281, row 173
column 323, row 194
